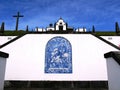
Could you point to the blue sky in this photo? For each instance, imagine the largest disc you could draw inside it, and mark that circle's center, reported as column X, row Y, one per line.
column 77, row 13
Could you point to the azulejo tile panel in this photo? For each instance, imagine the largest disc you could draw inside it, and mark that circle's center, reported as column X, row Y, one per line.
column 58, row 56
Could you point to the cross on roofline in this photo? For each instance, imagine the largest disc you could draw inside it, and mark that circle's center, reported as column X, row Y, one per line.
column 17, row 20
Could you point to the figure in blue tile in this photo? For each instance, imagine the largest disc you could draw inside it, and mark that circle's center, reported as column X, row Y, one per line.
column 58, row 56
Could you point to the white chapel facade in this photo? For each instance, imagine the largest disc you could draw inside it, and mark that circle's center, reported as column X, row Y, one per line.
column 60, row 26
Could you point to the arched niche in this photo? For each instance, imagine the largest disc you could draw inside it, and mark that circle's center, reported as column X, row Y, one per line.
column 58, row 56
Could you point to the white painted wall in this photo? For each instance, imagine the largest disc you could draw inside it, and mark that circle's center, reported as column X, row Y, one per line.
column 50, row 28
column 81, row 30
column 4, row 39
column 2, row 72
column 113, row 74
column 113, row 39
column 27, row 58
column 40, row 29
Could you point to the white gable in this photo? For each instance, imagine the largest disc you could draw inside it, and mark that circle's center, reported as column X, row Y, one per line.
column 27, row 58
column 50, row 29
column 81, row 30
column 61, row 23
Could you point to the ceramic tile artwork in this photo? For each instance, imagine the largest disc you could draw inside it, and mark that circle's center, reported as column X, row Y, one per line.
column 58, row 56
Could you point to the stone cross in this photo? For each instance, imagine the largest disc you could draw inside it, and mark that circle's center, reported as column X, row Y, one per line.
column 17, row 21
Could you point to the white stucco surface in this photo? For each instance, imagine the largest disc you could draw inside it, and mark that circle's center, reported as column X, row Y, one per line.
column 27, row 58
column 50, row 28
column 4, row 39
column 113, row 69
column 113, row 39
column 2, row 72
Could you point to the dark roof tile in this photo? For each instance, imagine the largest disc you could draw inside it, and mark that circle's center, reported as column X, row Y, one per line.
column 4, row 55
column 113, row 54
